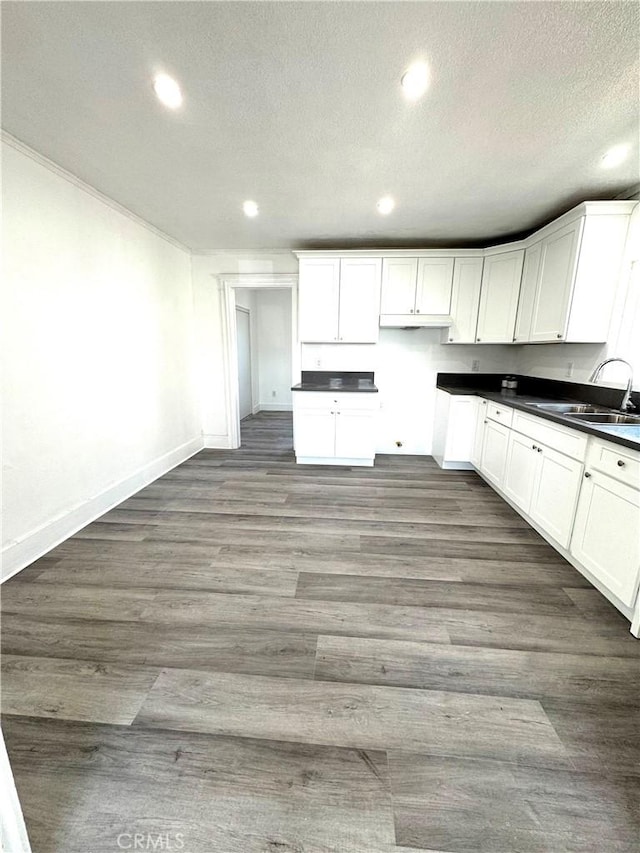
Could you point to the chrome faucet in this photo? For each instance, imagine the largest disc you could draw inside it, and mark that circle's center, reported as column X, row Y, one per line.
column 626, row 403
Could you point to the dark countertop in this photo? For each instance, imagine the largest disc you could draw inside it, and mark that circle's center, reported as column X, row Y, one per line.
column 546, row 391
column 335, row 381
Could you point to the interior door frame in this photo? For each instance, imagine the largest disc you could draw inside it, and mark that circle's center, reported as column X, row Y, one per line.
column 255, row 281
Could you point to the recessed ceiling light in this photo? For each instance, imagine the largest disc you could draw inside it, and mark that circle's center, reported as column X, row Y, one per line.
column 614, row 156
column 250, row 208
column 415, row 80
column 385, row 205
column 167, row 90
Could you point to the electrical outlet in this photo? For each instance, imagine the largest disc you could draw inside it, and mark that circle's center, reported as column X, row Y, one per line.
column 318, row 363
column 475, row 365
column 569, row 371
column 274, row 394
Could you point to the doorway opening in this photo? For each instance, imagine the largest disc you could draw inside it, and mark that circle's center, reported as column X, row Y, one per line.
column 263, row 360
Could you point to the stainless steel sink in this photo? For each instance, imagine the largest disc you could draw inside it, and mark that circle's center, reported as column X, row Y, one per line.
column 566, row 408
column 606, row 418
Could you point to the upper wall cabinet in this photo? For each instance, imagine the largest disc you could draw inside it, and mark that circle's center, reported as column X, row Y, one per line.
column 572, row 283
column 465, row 299
column 416, row 291
column 499, row 297
column 339, row 300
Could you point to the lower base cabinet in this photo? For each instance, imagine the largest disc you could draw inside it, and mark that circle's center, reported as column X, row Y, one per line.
column 606, row 533
column 494, row 451
column 334, row 429
column 555, row 493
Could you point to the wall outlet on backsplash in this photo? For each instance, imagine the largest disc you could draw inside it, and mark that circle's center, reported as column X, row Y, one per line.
column 475, row 365
column 569, row 370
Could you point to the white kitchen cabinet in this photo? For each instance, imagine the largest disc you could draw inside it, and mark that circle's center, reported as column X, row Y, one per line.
column 555, row 282
column 555, row 493
column 416, row 291
column 530, row 275
column 334, row 429
column 499, row 294
column 359, row 311
column 399, row 278
column 494, row 451
column 478, row 438
column 433, row 290
column 520, row 470
column 318, row 299
column 465, row 300
column 577, row 276
column 314, row 431
column 339, row 300
column 606, row 534
column 454, row 430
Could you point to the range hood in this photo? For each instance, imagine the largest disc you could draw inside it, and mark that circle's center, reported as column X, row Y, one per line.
column 415, row 321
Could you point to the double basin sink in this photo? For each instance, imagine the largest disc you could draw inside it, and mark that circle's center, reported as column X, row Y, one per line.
column 590, row 414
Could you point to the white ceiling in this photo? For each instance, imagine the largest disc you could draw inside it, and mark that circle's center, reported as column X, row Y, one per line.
column 298, row 106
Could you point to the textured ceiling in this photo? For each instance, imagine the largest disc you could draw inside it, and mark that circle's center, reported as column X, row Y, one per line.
column 298, row 106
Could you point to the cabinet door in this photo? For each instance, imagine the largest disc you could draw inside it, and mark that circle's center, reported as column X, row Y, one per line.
column 433, row 293
column 555, row 493
column 318, row 296
column 520, row 470
column 399, row 276
column 355, row 434
column 314, row 432
column 555, row 286
column 606, row 534
column 465, row 299
column 494, row 451
column 499, row 297
column 461, row 429
column 359, row 300
column 481, row 416
column 530, row 275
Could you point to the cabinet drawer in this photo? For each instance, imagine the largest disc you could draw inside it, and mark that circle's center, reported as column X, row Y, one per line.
column 330, row 400
column 568, row 441
column 500, row 414
column 616, row 461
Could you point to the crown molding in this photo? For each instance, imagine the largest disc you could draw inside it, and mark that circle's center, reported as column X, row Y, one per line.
column 34, row 155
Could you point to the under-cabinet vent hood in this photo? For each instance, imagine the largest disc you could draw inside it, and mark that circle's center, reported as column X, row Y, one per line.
column 415, row 321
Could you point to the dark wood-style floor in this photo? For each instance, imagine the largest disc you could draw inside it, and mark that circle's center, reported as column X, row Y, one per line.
column 250, row 655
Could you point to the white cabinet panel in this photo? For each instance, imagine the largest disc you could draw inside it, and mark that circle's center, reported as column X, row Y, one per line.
column 318, row 296
column 433, row 293
column 314, row 432
column 355, row 435
column 499, row 297
column 494, row 451
column 520, row 470
column 557, row 276
column 478, row 439
column 606, row 534
column 359, row 300
column 528, row 288
column 399, row 276
column 555, row 493
column 465, row 299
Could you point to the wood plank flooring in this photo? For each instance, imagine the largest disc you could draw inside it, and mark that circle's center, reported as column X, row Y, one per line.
column 250, row 656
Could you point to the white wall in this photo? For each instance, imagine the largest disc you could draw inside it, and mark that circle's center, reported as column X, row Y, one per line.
column 623, row 339
column 209, row 336
column 273, row 349
column 98, row 384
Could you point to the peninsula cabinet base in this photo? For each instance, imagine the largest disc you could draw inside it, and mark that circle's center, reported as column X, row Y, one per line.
column 631, row 613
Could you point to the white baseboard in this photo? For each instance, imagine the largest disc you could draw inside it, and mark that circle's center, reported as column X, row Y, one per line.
column 275, row 407
column 334, row 460
column 17, row 555
column 216, row 442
